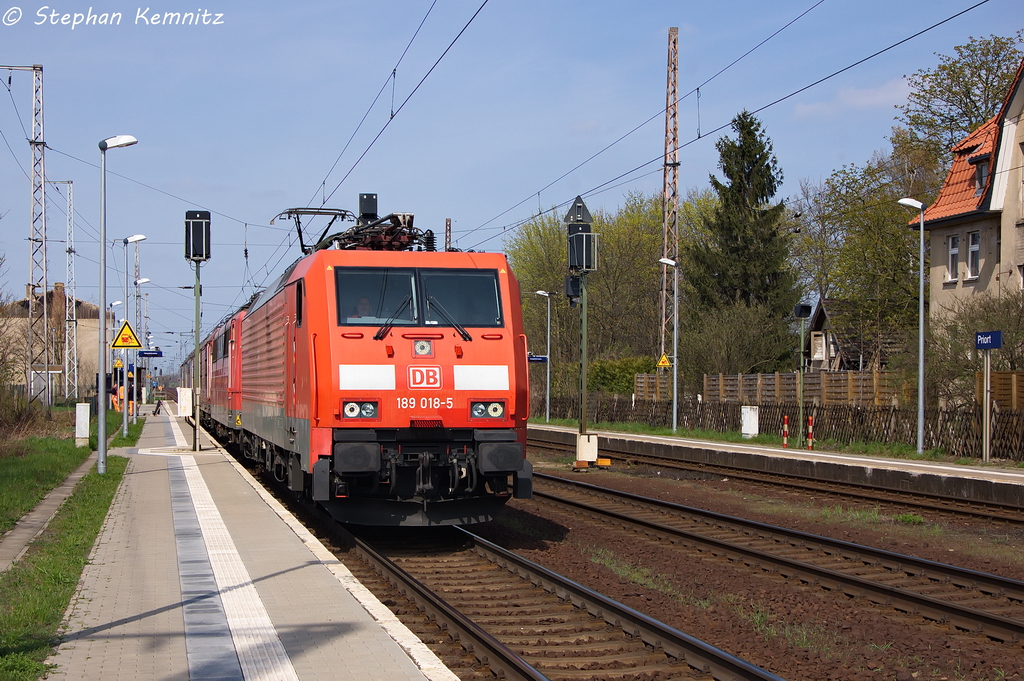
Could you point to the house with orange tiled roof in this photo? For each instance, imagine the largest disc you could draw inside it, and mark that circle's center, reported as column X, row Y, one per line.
column 976, row 224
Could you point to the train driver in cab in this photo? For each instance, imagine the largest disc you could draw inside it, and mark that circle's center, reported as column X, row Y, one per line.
column 363, row 308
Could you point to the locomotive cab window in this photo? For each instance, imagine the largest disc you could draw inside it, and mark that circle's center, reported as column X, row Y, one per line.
column 371, row 296
column 469, row 297
column 374, row 296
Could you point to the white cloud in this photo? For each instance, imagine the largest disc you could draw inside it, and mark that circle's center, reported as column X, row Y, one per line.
column 885, row 95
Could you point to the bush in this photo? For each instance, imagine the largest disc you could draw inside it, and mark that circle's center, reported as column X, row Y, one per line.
column 616, row 375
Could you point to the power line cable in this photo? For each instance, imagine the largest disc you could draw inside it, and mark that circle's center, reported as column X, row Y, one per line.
column 13, row 154
column 657, row 115
column 660, row 157
column 394, row 113
column 406, row 100
column 14, row 103
column 286, row 241
column 392, row 78
column 166, row 193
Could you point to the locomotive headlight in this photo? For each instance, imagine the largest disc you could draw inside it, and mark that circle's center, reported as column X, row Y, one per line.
column 360, row 410
column 483, row 410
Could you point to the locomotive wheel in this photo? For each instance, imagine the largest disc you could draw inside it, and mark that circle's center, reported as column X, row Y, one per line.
column 249, row 450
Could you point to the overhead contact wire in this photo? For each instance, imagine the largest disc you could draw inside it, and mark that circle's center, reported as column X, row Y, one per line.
column 406, row 100
column 660, row 157
column 654, row 117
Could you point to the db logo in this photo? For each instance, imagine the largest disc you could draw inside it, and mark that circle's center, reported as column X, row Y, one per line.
column 425, row 378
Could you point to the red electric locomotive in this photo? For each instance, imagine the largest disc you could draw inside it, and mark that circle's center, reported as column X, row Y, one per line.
column 390, row 384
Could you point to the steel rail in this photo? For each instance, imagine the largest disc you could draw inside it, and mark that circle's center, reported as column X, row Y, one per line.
column 974, row 508
column 696, row 653
column 489, row 650
column 968, row 619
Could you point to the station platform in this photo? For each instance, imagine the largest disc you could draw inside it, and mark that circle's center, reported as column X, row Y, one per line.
column 198, row 573
column 999, row 482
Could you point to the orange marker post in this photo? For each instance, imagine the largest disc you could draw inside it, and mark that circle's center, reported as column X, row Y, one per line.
column 810, row 432
column 785, row 432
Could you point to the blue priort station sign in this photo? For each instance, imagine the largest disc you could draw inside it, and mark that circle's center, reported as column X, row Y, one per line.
column 988, row 340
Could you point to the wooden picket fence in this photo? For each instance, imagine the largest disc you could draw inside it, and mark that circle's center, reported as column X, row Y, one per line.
column 864, row 388
column 656, row 387
column 957, row 431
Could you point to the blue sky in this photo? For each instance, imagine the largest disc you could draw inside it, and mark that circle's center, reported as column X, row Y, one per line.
column 246, row 115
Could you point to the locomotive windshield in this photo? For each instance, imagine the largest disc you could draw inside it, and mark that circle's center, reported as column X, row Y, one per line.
column 370, row 296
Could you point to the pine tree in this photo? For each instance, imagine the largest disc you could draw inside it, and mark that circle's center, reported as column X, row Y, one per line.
column 744, row 259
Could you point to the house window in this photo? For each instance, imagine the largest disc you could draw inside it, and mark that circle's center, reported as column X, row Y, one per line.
column 980, row 177
column 973, row 254
column 953, row 265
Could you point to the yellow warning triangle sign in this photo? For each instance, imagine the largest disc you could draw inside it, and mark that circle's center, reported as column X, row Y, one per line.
column 126, row 338
column 663, row 363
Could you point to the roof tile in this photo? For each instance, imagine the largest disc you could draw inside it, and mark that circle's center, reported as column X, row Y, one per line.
column 958, row 194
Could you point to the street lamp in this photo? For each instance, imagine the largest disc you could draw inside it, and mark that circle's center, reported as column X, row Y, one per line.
column 547, row 358
column 675, row 339
column 133, row 239
column 914, row 203
column 101, row 365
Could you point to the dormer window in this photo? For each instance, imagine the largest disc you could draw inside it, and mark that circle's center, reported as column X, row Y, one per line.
column 981, row 169
column 980, row 177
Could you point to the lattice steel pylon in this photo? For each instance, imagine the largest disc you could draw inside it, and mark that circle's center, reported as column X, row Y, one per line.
column 70, row 354
column 38, row 333
column 670, row 187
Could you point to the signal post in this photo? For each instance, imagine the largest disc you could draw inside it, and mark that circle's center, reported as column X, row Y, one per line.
column 582, row 245
column 197, row 250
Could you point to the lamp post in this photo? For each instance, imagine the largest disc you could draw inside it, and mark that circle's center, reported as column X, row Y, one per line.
column 101, row 364
column 675, row 339
column 547, row 358
column 137, row 389
column 133, row 239
column 914, row 203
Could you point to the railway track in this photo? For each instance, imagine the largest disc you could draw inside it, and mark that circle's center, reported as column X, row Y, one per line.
column 902, row 499
column 968, row 600
column 526, row 622
column 494, row 614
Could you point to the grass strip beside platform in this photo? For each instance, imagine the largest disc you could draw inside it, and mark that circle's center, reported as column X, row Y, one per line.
column 35, row 592
column 29, row 470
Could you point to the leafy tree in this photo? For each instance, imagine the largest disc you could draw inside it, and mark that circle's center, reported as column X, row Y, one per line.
column 733, row 339
column 744, row 257
column 816, row 242
column 952, row 100
column 876, row 265
column 624, row 308
column 952, row 358
column 623, row 305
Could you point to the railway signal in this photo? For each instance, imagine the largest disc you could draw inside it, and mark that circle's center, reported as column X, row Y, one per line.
column 582, row 257
column 197, row 250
